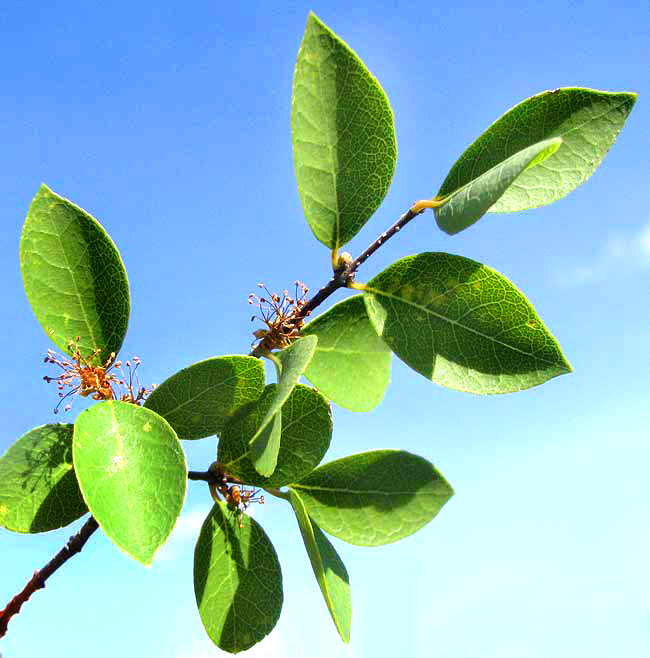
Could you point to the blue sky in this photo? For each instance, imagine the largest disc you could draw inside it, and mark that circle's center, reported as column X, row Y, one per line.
column 169, row 122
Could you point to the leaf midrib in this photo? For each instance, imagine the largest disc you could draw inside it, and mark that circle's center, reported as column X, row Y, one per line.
column 458, row 324
column 320, row 576
column 206, row 390
column 610, row 108
column 551, row 135
column 330, row 145
column 452, row 195
column 362, row 492
column 74, row 279
column 350, row 351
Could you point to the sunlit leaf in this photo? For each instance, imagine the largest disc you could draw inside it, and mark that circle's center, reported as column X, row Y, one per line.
column 73, row 275
column 374, row 498
column 462, row 325
column 265, row 444
column 306, row 430
column 132, row 474
column 470, row 202
column 351, row 365
column 344, row 144
column 38, row 486
column 199, row 400
column 237, row 580
column 587, row 120
column 330, row 572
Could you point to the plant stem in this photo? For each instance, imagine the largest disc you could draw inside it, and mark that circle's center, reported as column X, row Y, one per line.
column 37, row 581
column 341, row 279
column 344, row 277
column 386, row 235
column 72, row 547
column 212, row 478
column 206, row 476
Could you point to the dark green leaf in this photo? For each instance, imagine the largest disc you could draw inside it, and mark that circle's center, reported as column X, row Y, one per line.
column 462, row 325
column 344, row 144
column 38, row 486
column 237, row 580
column 330, row 572
column 374, row 498
column 306, row 425
column 470, row 202
column 199, row 400
column 587, row 120
column 73, row 275
column 351, row 365
column 265, row 443
column 132, row 474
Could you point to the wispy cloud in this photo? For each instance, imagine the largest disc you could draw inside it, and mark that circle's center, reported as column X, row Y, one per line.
column 621, row 254
column 185, row 532
column 189, row 524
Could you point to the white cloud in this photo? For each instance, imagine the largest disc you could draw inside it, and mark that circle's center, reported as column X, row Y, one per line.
column 621, row 254
column 185, row 532
column 189, row 524
column 644, row 241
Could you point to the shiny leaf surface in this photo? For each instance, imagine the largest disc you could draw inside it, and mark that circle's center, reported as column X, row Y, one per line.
column 462, row 325
column 237, row 580
column 132, row 474
column 344, row 144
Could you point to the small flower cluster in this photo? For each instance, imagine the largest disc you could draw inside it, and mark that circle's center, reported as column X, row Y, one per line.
column 237, row 496
column 282, row 316
column 80, row 377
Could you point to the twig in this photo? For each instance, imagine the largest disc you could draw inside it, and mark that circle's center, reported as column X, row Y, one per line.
column 386, row 235
column 341, row 279
column 72, row 547
column 344, row 277
column 212, row 477
column 37, row 581
column 206, row 476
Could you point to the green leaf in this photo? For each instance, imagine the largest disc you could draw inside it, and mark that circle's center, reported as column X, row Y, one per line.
column 267, row 446
column 351, row 365
column 73, row 276
column 344, row 144
column 462, row 325
column 470, row 202
column 588, row 121
column 374, row 498
column 330, row 572
column 132, row 474
column 292, row 362
column 38, row 486
column 237, row 580
column 306, row 424
column 199, row 400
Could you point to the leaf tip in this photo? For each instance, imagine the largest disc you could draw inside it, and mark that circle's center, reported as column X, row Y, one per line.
column 565, row 368
column 313, row 18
